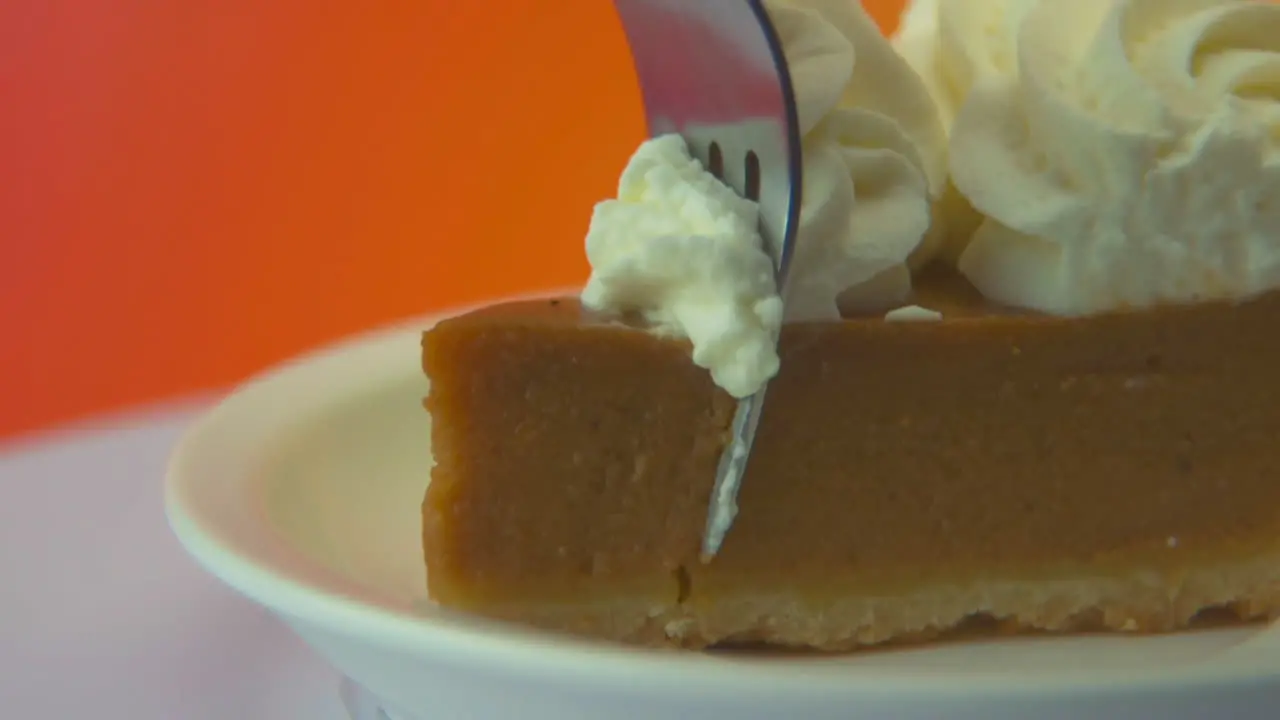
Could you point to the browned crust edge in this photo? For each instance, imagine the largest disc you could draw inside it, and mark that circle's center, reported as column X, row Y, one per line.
column 1140, row 602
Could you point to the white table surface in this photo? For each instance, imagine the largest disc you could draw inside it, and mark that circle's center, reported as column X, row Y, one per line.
column 102, row 615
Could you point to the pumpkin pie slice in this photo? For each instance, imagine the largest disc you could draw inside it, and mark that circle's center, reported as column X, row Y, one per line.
column 1114, row 472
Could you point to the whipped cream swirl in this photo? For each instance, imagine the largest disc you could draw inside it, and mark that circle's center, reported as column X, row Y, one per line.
column 874, row 158
column 1124, row 153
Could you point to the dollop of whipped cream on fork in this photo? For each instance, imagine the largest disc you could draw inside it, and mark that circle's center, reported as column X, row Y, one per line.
column 683, row 250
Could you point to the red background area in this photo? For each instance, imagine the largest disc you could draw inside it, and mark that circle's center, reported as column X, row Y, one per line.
column 196, row 189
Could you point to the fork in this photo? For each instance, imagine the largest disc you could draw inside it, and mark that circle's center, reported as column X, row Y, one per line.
column 713, row 71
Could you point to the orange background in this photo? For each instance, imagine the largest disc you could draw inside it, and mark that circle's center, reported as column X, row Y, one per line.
column 195, row 189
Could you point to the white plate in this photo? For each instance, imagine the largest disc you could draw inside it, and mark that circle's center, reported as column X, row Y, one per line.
column 302, row 491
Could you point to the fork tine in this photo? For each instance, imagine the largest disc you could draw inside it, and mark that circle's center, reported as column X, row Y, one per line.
column 714, row 71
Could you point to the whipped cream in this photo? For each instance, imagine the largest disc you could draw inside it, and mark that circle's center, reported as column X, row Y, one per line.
column 1123, row 153
column 952, row 44
column 912, row 313
column 916, row 41
column 683, row 250
column 874, row 159
column 946, row 66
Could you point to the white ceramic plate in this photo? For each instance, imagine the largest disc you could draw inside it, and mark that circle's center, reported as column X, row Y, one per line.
column 302, row 492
